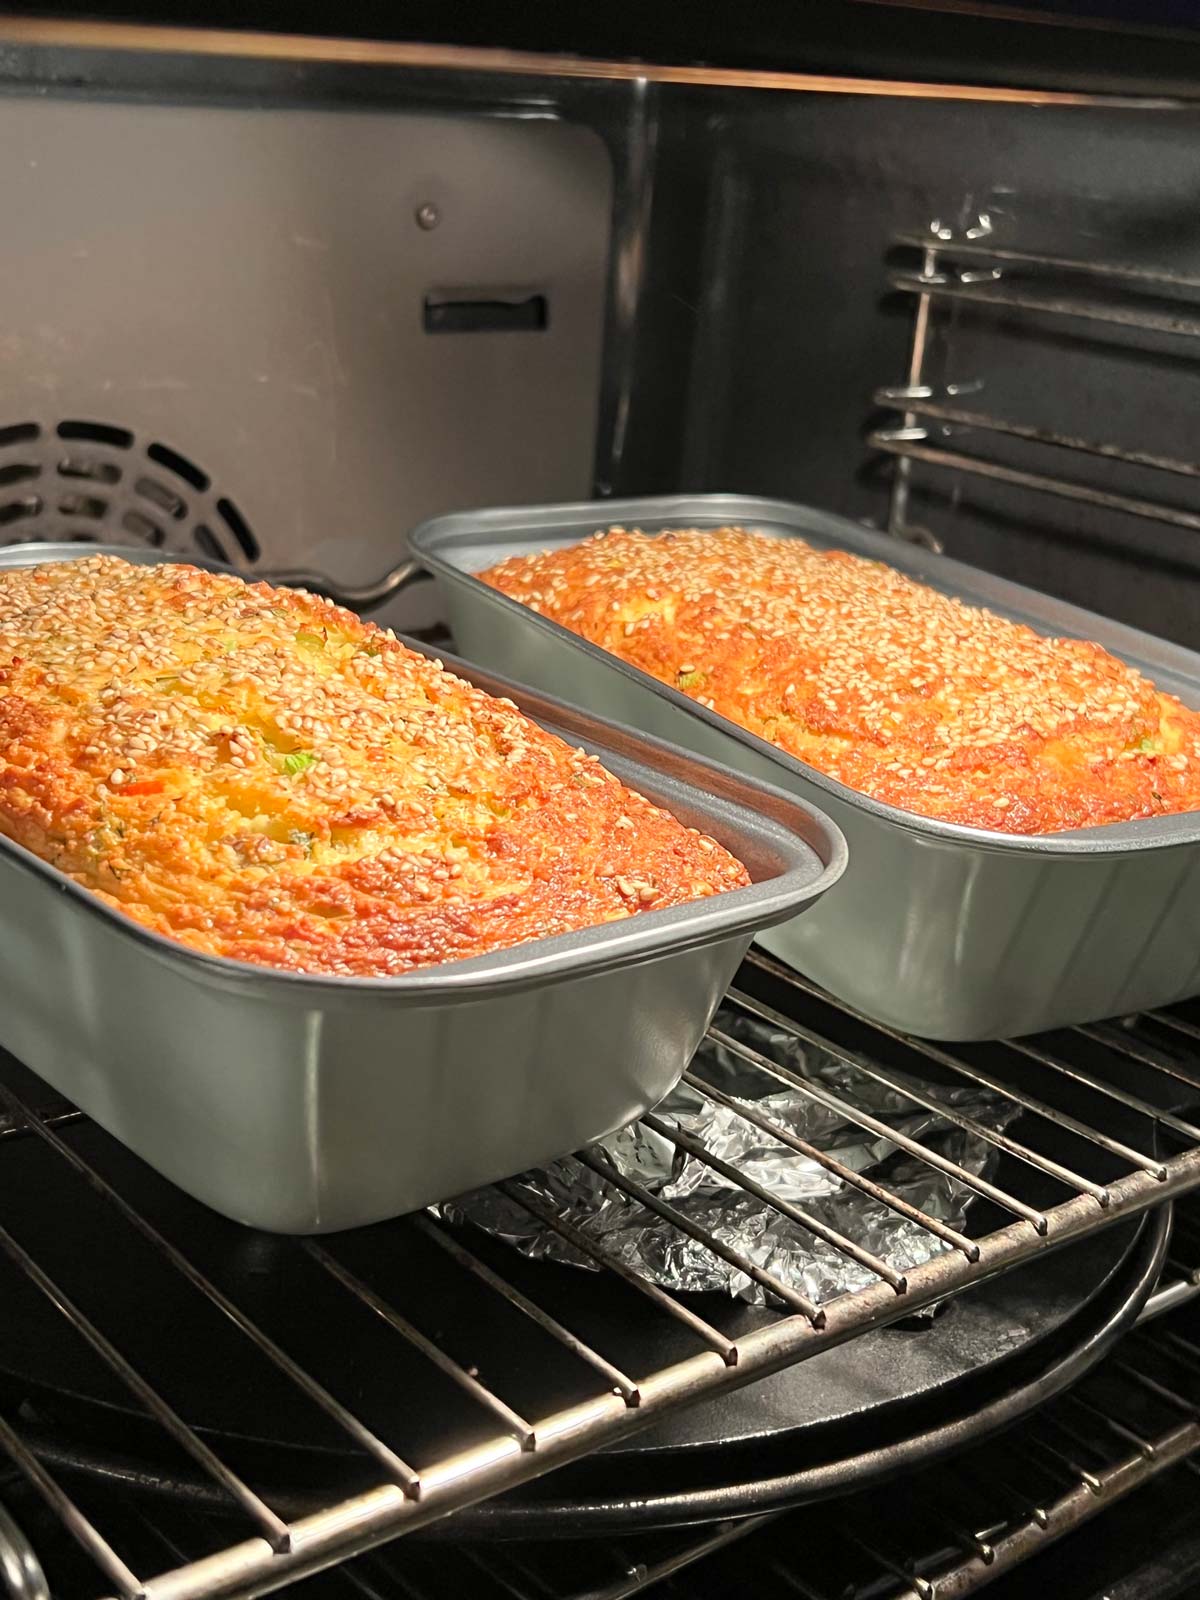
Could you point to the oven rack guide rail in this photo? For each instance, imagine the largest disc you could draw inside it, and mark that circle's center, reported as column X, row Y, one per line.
column 969, row 267
column 1148, row 1067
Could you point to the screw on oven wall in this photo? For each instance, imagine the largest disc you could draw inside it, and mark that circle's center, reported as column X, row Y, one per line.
column 428, row 216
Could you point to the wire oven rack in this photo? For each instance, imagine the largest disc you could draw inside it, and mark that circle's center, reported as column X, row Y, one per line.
column 995, row 1509
column 961, row 1527
column 1135, row 1420
column 1068, row 1086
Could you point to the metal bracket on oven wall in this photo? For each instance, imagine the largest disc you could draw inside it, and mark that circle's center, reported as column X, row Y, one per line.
column 20, row 1570
column 914, row 389
column 931, row 280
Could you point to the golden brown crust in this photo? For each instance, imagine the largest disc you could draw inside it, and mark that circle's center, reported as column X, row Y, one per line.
column 262, row 775
column 898, row 691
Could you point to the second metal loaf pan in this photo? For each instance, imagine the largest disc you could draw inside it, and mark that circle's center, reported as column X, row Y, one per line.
column 305, row 1104
column 937, row 929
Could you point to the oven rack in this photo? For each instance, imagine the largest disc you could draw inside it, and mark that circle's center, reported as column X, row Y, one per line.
column 1135, row 1418
column 1003, row 1527
column 1147, row 1068
column 969, row 268
column 974, row 1538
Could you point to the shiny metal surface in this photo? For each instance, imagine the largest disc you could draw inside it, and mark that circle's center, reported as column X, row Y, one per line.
column 363, row 597
column 940, row 930
column 908, row 444
column 995, row 293
column 1180, row 1279
column 981, row 249
column 308, row 1104
column 918, row 402
column 898, row 506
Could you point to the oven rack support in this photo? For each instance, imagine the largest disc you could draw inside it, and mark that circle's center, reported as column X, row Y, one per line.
column 973, row 271
column 1106, row 1179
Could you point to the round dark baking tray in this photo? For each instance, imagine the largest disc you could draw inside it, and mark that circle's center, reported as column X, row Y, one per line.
column 272, row 1278
column 622, row 1491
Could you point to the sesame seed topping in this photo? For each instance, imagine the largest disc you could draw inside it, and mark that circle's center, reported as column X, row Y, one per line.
column 261, row 774
column 891, row 687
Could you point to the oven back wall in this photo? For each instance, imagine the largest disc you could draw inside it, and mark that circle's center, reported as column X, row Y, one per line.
column 280, row 295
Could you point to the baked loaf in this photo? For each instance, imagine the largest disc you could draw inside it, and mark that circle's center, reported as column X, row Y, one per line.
column 262, row 775
column 892, row 688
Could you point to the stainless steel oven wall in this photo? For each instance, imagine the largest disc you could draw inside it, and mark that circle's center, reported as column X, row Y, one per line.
column 348, row 302
column 768, row 273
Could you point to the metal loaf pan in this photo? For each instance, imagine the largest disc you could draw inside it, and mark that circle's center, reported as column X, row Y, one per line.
column 306, row 1104
column 938, row 929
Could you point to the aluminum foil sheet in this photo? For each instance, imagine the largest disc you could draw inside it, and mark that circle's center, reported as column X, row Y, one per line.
column 661, row 1253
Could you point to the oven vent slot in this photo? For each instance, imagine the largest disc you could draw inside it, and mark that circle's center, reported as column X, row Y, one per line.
column 485, row 311
column 83, row 481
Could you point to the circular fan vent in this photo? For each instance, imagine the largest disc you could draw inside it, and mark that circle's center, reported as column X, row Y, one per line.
column 95, row 483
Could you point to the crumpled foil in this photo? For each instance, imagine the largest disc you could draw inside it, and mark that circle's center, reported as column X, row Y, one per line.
column 659, row 1252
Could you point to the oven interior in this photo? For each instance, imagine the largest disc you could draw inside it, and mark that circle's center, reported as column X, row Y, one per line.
column 278, row 312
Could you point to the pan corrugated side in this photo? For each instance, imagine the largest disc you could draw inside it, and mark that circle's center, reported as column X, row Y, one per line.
column 941, row 930
column 306, row 1104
